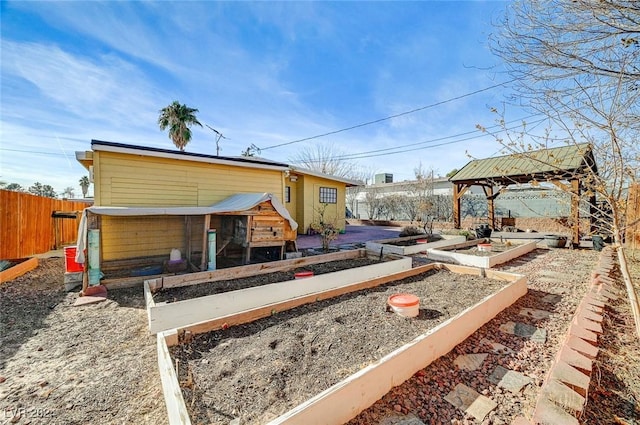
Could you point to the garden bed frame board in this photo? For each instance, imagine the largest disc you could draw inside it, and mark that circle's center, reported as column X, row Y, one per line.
column 346, row 399
column 23, row 265
column 387, row 248
column 261, row 301
column 249, row 270
column 479, row 261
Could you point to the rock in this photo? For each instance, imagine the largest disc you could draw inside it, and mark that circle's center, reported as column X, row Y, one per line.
column 2, row 379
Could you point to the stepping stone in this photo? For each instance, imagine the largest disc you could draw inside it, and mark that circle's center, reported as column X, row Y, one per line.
column 471, row 402
column 525, row 331
column 551, row 299
column 470, row 361
column 402, row 420
column 89, row 300
column 535, row 314
column 496, row 347
column 558, row 392
column 509, row 379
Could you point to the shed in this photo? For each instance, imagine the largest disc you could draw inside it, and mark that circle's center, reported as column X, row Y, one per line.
column 242, row 221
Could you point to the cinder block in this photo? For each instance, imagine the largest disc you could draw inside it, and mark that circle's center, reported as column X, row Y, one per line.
column 589, row 325
column 575, row 359
column 610, row 295
column 564, row 372
column 548, row 413
column 582, row 346
column 585, row 311
column 556, row 391
column 592, row 299
column 580, row 332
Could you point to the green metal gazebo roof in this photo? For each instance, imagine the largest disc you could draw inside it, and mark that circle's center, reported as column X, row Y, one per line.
column 543, row 164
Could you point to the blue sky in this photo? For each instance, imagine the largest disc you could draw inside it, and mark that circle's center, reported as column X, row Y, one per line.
column 261, row 73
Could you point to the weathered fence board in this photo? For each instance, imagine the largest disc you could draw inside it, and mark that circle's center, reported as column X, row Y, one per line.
column 27, row 227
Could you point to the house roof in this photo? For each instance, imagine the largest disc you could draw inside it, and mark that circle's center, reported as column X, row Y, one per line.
column 306, row 171
column 543, row 164
column 100, row 145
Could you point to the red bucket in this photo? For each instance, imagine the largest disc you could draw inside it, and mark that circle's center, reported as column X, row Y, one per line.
column 303, row 274
column 70, row 260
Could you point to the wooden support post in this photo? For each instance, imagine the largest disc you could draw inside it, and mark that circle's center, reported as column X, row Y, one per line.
column 575, row 210
column 456, row 206
column 488, row 193
column 593, row 210
column 187, row 237
column 207, row 224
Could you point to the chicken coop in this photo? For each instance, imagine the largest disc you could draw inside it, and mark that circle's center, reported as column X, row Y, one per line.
column 257, row 233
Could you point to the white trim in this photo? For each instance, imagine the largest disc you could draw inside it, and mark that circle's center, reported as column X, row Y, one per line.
column 307, row 172
column 133, row 151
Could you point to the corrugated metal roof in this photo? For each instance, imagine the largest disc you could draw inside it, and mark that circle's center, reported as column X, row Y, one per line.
column 554, row 160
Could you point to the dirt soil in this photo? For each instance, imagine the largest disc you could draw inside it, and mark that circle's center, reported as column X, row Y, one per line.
column 64, row 365
column 61, row 364
column 260, row 370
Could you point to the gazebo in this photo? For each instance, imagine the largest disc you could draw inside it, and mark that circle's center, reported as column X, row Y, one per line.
column 568, row 164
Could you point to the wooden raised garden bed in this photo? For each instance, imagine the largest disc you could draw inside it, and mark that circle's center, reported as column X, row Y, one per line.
column 318, row 331
column 470, row 253
column 412, row 244
column 17, row 267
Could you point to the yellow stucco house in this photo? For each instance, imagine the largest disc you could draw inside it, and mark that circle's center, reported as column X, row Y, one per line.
column 136, row 176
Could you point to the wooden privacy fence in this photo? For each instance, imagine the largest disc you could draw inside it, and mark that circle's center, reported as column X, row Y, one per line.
column 632, row 234
column 28, row 225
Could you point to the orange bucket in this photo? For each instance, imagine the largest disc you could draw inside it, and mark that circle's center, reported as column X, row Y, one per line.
column 70, row 264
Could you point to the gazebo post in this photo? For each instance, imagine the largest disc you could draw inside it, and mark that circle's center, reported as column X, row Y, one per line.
column 456, row 206
column 488, row 193
column 575, row 210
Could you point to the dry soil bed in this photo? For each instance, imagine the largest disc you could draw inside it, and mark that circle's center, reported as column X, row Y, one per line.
column 260, row 370
column 64, row 365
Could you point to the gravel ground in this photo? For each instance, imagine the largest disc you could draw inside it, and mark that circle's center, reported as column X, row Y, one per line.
column 64, row 365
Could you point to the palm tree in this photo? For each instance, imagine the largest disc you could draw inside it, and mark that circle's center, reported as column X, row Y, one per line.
column 84, row 185
column 68, row 192
column 178, row 118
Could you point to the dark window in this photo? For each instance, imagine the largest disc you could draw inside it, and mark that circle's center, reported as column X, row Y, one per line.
column 287, row 194
column 328, row 195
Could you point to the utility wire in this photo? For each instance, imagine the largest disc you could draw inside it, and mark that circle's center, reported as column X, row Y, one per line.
column 389, row 117
column 386, row 151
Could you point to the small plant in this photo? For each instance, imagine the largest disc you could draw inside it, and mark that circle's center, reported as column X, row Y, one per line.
column 467, row 234
column 410, row 231
column 327, row 230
